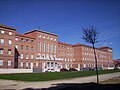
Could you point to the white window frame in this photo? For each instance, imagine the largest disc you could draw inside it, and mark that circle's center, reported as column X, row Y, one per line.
column 27, row 56
column 2, row 41
column 1, row 50
column 9, row 63
column 16, row 39
column 10, row 42
column 9, row 51
column 37, row 64
column 1, row 62
column 27, row 64
column 21, row 64
column 2, row 31
column 16, row 46
column 32, row 56
column 10, row 33
column 21, row 56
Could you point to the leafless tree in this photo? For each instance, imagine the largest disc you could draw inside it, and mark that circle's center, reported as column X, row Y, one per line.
column 90, row 35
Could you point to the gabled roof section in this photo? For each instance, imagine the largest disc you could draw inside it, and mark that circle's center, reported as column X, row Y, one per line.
column 38, row 30
column 22, row 35
column 63, row 43
column 7, row 27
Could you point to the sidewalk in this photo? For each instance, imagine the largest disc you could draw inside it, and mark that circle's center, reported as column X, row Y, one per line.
column 17, row 85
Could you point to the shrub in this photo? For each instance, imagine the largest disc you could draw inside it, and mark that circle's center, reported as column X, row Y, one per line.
column 73, row 69
column 63, row 69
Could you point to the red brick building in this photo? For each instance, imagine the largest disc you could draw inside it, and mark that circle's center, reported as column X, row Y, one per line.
column 42, row 51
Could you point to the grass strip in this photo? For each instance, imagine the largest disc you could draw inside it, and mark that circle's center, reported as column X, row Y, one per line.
column 51, row 75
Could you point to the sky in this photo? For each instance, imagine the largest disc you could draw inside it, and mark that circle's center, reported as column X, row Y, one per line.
column 66, row 18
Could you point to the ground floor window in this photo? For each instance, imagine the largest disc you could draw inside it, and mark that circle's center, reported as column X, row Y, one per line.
column 1, row 62
column 9, row 62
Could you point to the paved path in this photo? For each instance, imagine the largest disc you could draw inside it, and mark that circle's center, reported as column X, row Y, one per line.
column 17, row 85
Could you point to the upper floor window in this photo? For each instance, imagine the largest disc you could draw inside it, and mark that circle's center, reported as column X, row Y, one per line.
column 1, row 50
column 54, row 39
column 31, row 40
column 47, row 37
column 21, row 56
column 51, row 38
column 10, row 33
column 1, row 62
column 39, row 35
column 10, row 42
column 31, row 56
column 22, row 39
column 16, row 39
column 43, row 36
column 9, row 51
column 26, row 47
column 27, row 56
column 32, row 49
column 16, row 46
column 21, row 47
column 2, row 31
column 1, row 41
column 26, row 40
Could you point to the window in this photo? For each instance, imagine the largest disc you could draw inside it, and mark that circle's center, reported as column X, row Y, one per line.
column 43, row 47
column 9, row 63
column 21, row 47
column 1, row 41
column 37, row 64
column 9, row 42
column 2, row 32
column 39, row 35
column 43, row 36
column 39, row 46
column 31, row 40
column 26, row 64
column 51, row 48
column 51, row 64
column 26, row 47
column 9, row 51
column 54, row 39
column 22, row 39
column 47, row 37
column 51, row 38
column 10, row 33
column 21, row 64
column 1, row 50
column 31, row 56
column 1, row 62
column 48, row 64
column 27, row 56
column 26, row 40
column 16, row 46
column 47, row 47
column 21, row 56
column 54, row 48
column 16, row 39
column 32, row 49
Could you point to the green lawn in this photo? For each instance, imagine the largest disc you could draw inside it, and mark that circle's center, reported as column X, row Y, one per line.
column 51, row 75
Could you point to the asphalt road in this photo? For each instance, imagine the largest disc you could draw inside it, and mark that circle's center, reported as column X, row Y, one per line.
column 18, row 85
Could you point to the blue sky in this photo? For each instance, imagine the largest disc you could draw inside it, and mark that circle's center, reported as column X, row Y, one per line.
column 66, row 18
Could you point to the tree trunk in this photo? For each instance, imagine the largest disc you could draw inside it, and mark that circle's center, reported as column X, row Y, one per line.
column 96, row 66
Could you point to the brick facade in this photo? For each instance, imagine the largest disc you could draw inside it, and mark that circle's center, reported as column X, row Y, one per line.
column 41, row 50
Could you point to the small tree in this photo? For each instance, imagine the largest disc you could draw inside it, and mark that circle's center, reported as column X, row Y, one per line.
column 90, row 35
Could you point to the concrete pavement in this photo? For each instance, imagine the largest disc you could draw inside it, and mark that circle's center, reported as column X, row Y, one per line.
column 18, row 85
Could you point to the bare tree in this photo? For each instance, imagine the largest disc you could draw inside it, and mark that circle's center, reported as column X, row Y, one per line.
column 90, row 35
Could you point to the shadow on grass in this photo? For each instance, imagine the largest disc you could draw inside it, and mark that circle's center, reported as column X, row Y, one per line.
column 84, row 86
